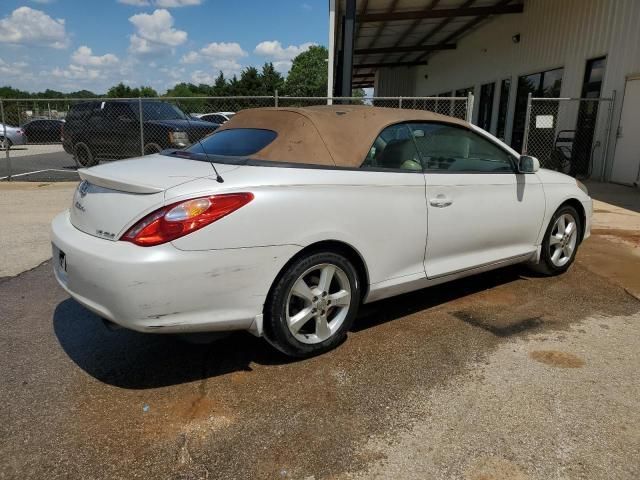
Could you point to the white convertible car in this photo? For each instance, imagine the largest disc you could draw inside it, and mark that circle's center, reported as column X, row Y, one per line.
column 284, row 221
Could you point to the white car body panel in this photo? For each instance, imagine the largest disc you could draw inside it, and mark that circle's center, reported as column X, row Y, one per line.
column 218, row 277
column 491, row 217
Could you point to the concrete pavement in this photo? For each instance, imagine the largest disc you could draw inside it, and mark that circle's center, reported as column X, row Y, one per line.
column 26, row 210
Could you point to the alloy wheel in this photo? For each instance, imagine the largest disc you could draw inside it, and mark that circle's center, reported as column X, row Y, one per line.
column 318, row 303
column 563, row 239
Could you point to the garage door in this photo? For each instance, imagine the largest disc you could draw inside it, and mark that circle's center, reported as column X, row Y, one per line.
column 626, row 164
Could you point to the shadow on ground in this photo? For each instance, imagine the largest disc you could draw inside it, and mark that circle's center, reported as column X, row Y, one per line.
column 134, row 360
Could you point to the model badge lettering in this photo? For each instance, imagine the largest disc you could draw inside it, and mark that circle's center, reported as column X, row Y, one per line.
column 104, row 234
column 79, row 206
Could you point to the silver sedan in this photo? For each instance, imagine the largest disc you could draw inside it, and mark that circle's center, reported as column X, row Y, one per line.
column 10, row 136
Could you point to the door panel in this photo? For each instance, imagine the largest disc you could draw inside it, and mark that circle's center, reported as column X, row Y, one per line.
column 626, row 164
column 476, row 219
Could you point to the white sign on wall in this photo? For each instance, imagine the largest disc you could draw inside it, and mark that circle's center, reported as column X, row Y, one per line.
column 544, row 121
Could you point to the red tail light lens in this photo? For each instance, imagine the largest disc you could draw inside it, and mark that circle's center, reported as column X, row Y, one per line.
column 181, row 218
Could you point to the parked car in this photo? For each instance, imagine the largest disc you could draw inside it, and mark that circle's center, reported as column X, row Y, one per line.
column 14, row 136
column 218, row 117
column 43, row 131
column 111, row 129
column 285, row 220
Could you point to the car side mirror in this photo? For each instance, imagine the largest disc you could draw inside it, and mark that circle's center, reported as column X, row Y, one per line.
column 527, row 164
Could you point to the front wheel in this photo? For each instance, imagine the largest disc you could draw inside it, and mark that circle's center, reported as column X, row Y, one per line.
column 312, row 304
column 5, row 143
column 561, row 241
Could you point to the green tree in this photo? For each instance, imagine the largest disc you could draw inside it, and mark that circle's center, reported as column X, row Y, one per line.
column 120, row 91
column 271, row 79
column 146, row 91
column 250, row 83
column 308, row 74
column 220, row 87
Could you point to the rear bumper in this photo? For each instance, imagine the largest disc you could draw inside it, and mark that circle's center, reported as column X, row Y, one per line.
column 162, row 289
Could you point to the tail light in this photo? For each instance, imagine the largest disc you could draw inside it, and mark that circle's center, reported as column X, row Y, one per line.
column 181, row 218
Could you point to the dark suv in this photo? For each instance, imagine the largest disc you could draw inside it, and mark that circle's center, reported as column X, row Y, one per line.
column 112, row 129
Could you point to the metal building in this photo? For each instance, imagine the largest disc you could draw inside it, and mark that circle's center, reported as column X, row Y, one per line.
column 502, row 51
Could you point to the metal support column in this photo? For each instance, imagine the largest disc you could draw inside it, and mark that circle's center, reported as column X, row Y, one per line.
column 141, row 126
column 347, row 47
column 527, row 124
column 5, row 140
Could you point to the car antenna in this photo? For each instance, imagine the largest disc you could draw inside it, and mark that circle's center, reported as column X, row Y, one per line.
column 219, row 178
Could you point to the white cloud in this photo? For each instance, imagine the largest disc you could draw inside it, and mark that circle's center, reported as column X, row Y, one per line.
column 215, row 51
column 191, row 57
column 15, row 69
column 84, row 56
column 76, row 72
column 154, row 32
column 199, row 76
column 223, row 50
column 273, row 49
column 33, row 27
column 161, row 3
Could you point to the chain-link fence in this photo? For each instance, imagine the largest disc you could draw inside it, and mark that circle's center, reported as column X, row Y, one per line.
column 48, row 139
column 569, row 135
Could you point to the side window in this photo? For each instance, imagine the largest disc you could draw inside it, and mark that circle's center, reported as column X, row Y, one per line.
column 117, row 111
column 394, row 149
column 456, row 149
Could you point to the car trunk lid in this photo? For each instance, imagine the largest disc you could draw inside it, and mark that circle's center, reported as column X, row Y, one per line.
column 115, row 195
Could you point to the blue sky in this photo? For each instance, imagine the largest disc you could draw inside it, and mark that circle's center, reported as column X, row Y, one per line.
column 74, row 44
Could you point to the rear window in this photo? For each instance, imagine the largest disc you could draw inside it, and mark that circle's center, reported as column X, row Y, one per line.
column 235, row 142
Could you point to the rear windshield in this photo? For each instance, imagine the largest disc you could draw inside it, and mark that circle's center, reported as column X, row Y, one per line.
column 234, row 142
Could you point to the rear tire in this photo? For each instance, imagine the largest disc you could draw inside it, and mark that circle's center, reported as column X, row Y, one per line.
column 5, row 143
column 83, row 156
column 561, row 242
column 151, row 148
column 312, row 305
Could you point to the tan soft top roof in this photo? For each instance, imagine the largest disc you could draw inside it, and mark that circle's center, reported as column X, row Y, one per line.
column 339, row 135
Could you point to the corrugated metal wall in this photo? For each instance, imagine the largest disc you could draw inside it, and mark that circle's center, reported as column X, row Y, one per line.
column 554, row 33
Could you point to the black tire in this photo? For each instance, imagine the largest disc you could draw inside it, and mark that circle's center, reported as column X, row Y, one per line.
column 546, row 265
column 83, row 155
column 151, row 148
column 5, row 144
column 276, row 329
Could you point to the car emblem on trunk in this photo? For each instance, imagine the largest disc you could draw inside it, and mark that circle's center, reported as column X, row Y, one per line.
column 83, row 188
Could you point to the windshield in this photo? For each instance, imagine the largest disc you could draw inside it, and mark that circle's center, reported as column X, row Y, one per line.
column 161, row 111
column 234, row 142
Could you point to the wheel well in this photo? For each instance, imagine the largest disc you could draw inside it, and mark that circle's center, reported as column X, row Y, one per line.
column 572, row 202
column 337, row 247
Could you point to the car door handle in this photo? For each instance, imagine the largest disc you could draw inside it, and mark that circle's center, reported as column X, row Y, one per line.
column 440, row 201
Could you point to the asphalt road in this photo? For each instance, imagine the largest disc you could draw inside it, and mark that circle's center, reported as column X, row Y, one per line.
column 25, row 162
column 503, row 375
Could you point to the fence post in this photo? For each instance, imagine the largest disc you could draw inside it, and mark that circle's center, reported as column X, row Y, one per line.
column 275, row 97
column 399, row 102
column 605, row 152
column 6, row 140
column 141, row 126
column 469, row 107
column 527, row 123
